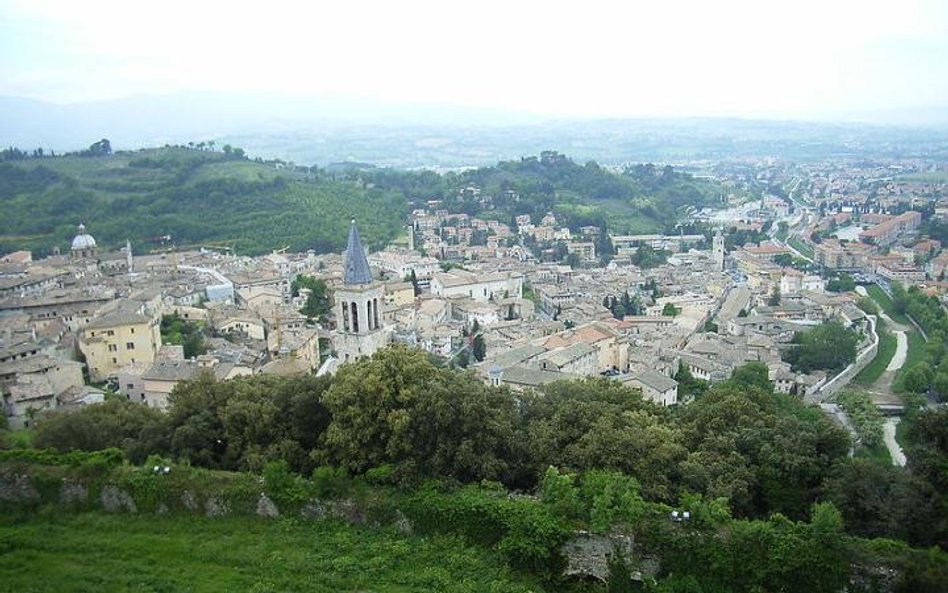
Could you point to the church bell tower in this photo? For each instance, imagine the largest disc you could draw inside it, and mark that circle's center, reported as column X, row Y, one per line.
column 360, row 329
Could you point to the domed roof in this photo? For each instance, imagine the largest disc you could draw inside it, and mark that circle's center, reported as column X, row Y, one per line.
column 83, row 240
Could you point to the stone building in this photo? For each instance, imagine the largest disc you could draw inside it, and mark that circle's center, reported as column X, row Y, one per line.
column 360, row 329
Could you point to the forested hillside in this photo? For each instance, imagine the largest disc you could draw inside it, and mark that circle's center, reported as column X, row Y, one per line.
column 209, row 197
column 196, row 196
column 642, row 198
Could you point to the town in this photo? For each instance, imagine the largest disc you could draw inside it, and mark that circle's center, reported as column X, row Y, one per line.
column 522, row 305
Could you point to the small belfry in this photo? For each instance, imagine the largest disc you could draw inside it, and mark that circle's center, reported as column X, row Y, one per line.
column 717, row 250
column 360, row 329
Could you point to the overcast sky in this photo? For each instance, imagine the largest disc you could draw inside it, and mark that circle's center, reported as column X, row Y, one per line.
column 756, row 58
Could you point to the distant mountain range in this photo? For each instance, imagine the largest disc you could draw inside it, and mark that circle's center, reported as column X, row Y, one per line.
column 335, row 128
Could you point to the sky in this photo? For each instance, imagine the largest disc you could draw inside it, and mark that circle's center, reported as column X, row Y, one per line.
column 803, row 59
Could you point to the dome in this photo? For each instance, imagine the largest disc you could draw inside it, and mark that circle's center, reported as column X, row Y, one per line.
column 83, row 240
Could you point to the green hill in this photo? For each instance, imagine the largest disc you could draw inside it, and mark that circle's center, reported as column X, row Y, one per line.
column 201, row 197
column 640, row 198
column 195, row 196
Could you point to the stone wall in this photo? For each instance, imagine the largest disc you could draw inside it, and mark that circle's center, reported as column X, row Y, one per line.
column 863, row 358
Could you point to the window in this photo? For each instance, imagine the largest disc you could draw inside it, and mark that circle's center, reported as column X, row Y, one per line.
column 129, row 345
column 133, row 329
column 114, row 361
column 110, row 333
column 130, row 386
column 113, row 347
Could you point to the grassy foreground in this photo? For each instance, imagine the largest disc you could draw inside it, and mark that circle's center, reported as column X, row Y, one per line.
column 100, row 552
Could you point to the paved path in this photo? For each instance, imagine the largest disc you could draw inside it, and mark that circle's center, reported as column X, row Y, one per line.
column 901, row 351
column 888, row 436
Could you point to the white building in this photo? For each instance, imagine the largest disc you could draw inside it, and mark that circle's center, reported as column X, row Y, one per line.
column 480, row 287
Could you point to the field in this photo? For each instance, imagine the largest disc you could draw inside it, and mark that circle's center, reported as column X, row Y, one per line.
column 99, row 552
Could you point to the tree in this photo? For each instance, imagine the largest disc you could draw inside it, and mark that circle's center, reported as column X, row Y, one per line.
column 398, row 408
column 670, row 310
column 479, row 348
column 829, row 346
column 414, row 282
column 101, row 148
column 604, row 246
column 774, row 300
column 139, row 430
column 188, row 334
column 918, row 378
column 842, row 283
column 753, row 374
column 317, row 303
column 866, row 418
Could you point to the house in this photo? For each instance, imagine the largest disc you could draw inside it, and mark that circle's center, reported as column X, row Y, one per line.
column 126, row 334
column 655, row 387
column 37, row 384
column 160, row 380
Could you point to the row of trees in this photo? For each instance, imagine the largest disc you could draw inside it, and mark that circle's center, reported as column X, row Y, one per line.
column 931, row 374
column 400, row 409
column 760, row 452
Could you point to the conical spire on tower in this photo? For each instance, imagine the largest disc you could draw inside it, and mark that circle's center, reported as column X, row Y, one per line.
column 356, row 268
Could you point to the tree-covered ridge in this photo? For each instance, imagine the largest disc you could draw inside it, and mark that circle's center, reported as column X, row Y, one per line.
column 202, row 196
column 196, row 196
column 639, row 199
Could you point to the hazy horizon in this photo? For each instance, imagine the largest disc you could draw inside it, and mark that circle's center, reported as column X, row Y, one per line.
column 802, row 61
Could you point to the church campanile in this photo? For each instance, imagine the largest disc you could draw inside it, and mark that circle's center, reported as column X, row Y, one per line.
column 360, row 329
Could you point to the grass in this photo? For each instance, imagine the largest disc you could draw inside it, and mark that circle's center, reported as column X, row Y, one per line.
column 877, row 453
column 879, row 296
column 800, row 246
column 20, row 438
column 916, row 353
column 99, row 552
column 887, row 346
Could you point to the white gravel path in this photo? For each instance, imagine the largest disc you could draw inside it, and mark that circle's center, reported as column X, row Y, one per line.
column 888, row 436
column 901, row 350
column 861, row 291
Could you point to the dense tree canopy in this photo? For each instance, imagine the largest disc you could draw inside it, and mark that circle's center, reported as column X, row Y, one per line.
column 754, row 451
column 829, row 346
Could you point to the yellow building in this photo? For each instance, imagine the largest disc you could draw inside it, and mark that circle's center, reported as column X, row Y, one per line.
column 124, row 335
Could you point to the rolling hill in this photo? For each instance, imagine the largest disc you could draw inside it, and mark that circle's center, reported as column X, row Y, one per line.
column 205, row 197
column 195, row 196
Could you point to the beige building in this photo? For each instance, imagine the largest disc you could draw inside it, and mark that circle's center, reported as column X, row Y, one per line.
column 655, row 387
column 399, row 294
column 41, row 383
column 160, row 380
column 360, row 329
column 128, row 333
